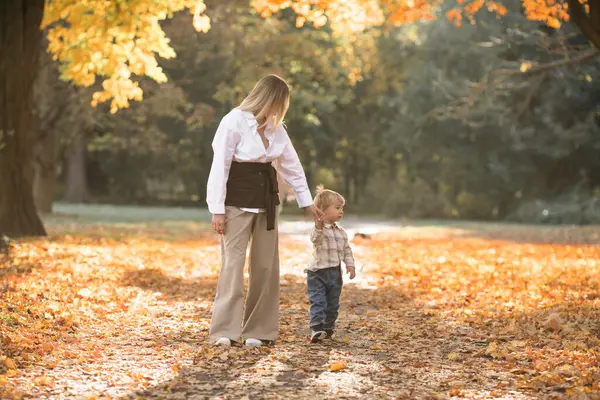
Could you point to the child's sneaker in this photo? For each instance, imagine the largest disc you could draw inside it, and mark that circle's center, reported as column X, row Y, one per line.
column 317, row 336
column 329, row 334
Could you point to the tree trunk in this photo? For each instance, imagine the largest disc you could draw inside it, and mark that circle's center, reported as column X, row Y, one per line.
column 364, row 175
column 77, row 188
column 356, row 164
column 20, row 38
column 44, row 172
column 347, row 177
column 54, row 102
column 588, row 22
column 393, row 171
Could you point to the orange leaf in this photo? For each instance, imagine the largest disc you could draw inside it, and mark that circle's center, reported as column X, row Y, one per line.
column 338, row 366
column 42, row 380
column 10, row 364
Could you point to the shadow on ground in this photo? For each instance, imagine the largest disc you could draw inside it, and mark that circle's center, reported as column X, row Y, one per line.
column 155, row 280
column 386, row 346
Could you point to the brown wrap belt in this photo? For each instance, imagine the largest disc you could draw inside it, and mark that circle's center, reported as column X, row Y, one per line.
column 271, row 193
column 253, row 185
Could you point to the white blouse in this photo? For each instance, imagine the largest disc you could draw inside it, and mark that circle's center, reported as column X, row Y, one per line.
column 237, row 139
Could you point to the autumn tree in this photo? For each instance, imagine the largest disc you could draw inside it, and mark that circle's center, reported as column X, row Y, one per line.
column 477, row 138
column 91, row 38
column 164, row 142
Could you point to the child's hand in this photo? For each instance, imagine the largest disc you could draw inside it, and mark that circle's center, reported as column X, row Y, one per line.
column 351, row 271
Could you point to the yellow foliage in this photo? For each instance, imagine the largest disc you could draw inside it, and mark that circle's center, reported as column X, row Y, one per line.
column 345, row 16
column 114, row 40
column 338, row 366
column 351, row 16
column 547, row 11
column 119, row 39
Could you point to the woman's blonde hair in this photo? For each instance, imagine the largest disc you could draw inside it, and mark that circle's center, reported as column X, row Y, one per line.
column 326, row 198
column 268, row 100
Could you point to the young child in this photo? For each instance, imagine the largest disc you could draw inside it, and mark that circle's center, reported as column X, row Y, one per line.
column 324, row 272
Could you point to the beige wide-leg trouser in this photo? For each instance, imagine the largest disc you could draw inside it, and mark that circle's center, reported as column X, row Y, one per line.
column 261, row 312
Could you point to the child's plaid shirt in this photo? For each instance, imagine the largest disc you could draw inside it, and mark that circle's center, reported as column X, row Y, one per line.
column 330, row 248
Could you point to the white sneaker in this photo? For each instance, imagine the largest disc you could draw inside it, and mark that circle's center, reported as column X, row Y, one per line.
column 253, row 342
column 223, row 342
column 317, row 336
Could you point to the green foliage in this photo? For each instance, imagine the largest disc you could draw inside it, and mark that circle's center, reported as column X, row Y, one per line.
column 415, row 199
column 486, row 147
column 574, row 206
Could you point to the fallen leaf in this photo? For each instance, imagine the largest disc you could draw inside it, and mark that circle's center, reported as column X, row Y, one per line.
column 419, row 364
column 388, row 368
column 149, row 300
column 10, row 364
column 42, row 380
column 554, row 322
column 338, row 366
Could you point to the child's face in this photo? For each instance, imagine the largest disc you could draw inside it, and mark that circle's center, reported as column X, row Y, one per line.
column 334, row 212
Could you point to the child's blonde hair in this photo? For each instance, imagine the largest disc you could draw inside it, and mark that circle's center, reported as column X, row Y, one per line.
column 268, row 100
column 326, row 198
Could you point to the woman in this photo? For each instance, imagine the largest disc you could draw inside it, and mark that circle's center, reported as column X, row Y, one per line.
column 242, row 196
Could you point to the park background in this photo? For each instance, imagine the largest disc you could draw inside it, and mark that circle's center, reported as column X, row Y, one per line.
column 467, row 146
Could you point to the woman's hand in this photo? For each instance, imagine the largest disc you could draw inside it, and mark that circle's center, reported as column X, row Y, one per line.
column 319, row 224
column 218, row 223
column 316, row 213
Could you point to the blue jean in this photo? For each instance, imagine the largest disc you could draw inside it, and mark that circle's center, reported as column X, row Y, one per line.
column 324, row 289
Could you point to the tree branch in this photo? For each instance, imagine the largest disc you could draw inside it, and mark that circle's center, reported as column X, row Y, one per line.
column 580, row 58
column 535, row 87
column 497, row 79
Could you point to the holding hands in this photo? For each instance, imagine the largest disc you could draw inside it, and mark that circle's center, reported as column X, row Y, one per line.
column 218, row 220
column 317, row 215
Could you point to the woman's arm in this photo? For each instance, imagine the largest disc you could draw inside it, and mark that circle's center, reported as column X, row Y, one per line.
column 224, row 143
column 291, row 170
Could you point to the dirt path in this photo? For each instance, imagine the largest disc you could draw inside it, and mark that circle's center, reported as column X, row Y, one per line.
column 92, row 317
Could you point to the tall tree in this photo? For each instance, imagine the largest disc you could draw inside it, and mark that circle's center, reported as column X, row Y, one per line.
column 20, row 40
column 92, row 38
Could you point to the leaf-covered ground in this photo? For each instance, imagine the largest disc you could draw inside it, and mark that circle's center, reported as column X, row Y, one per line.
column 476, row 311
